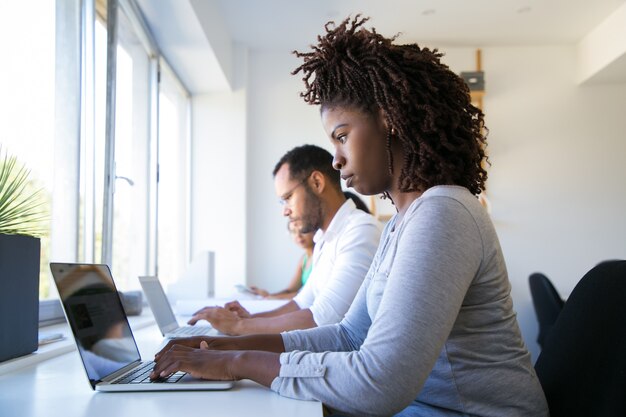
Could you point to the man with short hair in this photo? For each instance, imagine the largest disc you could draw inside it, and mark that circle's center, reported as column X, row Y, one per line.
column 346, row 240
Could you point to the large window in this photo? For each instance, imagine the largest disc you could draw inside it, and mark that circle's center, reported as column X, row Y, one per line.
column 132, row 158
column 53, row 118
column 27, row 101
column 173, row 195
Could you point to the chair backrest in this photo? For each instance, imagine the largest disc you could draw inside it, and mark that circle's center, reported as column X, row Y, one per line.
column 582, row 366
column 547, row 302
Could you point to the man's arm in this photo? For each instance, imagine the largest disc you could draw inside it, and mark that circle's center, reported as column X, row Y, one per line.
column 355, row 251
column 211, row 314
column 300, row 319
column 231, row 324
column 289, row 307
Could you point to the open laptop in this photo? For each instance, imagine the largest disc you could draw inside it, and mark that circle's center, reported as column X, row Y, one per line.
column 103, row 336
column 163, row 314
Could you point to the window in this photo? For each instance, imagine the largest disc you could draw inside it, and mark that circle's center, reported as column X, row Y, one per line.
column 132, row 158
column 173, row 196
column 53, row 118
column 27, row 80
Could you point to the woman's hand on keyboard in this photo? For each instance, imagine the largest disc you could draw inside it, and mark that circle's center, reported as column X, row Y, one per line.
column 214, row 343
column 203, row 362
column 199, row 362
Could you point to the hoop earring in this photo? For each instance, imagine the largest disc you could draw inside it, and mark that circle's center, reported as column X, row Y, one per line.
column 390, row 132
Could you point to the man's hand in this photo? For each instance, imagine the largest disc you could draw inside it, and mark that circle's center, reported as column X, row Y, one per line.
column 201, row 314
column 237, row 309
column 220, row 318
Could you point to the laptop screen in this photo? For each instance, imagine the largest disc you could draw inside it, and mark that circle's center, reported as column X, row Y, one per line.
column 95, row 314
column 159, row 304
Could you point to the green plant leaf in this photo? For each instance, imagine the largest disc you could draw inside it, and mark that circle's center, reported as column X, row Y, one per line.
column 21, row 211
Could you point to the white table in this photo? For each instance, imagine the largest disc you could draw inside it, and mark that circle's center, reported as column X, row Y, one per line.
column 58, row 387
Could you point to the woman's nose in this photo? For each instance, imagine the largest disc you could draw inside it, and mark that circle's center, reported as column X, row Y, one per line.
column 338, row 162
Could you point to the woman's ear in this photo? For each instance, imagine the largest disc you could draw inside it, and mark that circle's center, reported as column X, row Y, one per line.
column 317, row 182
column 383, row 120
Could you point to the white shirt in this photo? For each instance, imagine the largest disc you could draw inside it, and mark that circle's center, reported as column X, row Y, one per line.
column 341, row 259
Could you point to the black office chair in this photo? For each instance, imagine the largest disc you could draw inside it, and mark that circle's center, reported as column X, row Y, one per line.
column 582, row 366
column 547, row 302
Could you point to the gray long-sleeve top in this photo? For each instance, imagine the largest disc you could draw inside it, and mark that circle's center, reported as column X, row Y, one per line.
column 431, row 331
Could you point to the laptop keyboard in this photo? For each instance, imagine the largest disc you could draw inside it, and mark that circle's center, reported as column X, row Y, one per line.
column 141, row 375
column 192, row 330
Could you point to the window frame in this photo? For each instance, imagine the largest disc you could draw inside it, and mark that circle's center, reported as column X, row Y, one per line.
column 78, row 27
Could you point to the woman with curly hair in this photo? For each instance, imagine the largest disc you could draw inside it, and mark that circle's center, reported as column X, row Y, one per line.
column 432, row 331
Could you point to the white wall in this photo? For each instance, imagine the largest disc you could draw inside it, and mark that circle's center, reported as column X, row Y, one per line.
column 278, row 120
column 556, row 184
column 218, row 197
column 559, row 162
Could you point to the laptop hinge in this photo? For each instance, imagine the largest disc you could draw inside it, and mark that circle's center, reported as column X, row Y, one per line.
column 120, row 372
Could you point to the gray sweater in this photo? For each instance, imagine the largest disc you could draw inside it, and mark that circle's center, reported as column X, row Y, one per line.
column 431, row 332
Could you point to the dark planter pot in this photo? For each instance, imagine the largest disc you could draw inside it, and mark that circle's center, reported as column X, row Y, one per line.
column 19, row 295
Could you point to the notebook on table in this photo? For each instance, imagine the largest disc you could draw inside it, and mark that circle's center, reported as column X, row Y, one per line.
column 105, row 342
column 164, row 315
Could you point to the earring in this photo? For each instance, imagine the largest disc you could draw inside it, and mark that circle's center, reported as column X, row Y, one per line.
column 390, row 132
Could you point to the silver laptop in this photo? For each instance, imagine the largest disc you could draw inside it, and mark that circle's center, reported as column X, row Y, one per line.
column 104, row 339
column 163, row 314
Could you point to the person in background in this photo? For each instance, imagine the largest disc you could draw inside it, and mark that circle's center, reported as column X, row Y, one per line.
column 432, row 331
column 345, row 239
column 304, row 240
column 303, row 269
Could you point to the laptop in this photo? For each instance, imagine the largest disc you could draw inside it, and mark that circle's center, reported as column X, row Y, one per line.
column 105, row 342
column 163, row 314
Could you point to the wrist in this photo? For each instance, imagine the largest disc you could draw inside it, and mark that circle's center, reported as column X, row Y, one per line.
column 238, row 365
column 240, row 327
column 262, row 367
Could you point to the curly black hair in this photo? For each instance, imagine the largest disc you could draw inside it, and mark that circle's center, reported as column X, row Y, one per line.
column 427, row 106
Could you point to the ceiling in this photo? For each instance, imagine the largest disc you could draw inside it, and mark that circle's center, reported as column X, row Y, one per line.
column 288, row 24
column 197, row 36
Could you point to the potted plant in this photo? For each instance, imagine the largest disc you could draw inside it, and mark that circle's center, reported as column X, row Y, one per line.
column 20, row 228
